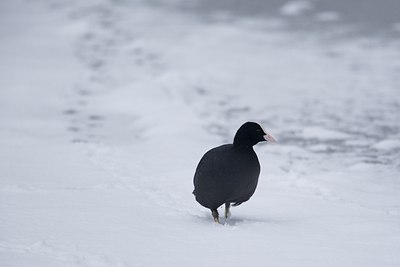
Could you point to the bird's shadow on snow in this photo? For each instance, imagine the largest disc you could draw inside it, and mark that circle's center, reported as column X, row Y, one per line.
column 245, row 221
column 238, row 220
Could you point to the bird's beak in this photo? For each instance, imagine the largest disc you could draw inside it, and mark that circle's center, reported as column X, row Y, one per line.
column 269, row 138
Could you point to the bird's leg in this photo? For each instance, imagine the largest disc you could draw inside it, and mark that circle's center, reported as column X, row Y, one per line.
column 215, row 215
column 227, row 210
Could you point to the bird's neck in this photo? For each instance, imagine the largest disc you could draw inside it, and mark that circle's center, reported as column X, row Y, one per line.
column 241, row 140
column 242, row 144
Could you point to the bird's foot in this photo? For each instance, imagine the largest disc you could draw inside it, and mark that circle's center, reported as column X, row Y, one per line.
column 227, row 210
column 215, row 216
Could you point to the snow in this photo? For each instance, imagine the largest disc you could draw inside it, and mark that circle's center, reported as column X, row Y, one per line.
column 327, row 16
column 322, row 134
column 295, row 8
column 396, row 26
column 389, row 144
column 107, row 106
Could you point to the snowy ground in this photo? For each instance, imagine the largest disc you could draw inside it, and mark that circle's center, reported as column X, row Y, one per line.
column 107, row 106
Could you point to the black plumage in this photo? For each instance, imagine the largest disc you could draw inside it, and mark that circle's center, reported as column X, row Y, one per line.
column 229, row 173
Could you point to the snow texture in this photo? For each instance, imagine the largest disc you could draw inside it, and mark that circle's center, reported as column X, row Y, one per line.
column 327, row 16
column 107, row 106
column 295, row 8
column 396, row 26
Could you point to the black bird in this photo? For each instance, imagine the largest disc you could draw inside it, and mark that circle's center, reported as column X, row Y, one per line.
column 229, row 173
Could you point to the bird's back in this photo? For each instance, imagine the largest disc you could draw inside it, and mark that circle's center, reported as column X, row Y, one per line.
column 226, row 174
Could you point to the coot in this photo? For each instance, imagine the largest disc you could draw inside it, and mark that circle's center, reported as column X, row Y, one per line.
column 228, row 174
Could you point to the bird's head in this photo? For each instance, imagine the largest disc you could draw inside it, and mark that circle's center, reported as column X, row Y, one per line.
column 250, row 134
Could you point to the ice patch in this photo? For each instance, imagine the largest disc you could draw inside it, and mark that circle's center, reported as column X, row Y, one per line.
column 295, row 8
